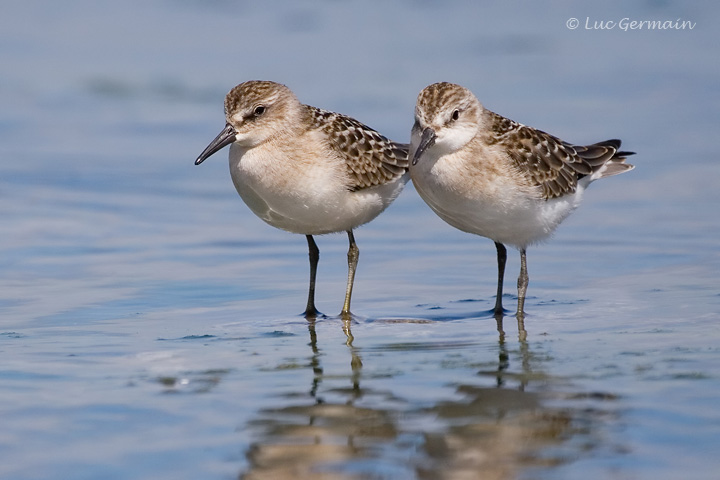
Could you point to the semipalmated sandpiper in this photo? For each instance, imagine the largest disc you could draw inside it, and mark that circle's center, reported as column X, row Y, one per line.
column 485, row 174
column 307, row 170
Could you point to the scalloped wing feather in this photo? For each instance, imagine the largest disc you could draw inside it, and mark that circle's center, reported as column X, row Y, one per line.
column 371, row 158
column 551, row 164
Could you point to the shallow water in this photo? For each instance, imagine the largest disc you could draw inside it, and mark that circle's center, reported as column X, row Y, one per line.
column 149, row 323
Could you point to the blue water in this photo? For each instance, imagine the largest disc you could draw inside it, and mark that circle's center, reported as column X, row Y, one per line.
column 149, row 323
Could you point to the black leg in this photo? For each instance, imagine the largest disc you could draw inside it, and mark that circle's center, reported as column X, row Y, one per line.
column 310, row 310
column 501, row 260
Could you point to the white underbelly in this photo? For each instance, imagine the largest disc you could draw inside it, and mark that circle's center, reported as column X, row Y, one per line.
column 511, row 217
column 311, row 199
column 313, row 213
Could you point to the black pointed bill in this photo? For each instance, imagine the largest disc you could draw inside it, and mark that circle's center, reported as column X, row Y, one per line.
column 427, row 140
column 224, row 138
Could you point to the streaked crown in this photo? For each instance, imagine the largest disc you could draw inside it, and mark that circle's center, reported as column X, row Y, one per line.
column 259, row 110
column 438, row 103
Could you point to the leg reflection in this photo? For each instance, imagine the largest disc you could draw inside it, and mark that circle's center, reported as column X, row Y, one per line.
column 327, row 427
column 522, row 333
column 355, row 360
column 314, row 361
column 504, row 357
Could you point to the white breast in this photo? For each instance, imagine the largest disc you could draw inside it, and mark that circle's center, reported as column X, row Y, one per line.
column 295, row 189
column 491, row 203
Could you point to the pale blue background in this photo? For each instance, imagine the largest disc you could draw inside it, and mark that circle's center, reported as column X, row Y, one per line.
column 147, row 318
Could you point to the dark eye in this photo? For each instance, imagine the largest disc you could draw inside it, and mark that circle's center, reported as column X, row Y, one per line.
column 259, row 110
column 456, row 114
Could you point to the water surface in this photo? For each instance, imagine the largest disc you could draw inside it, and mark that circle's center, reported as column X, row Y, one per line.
column 149, row 323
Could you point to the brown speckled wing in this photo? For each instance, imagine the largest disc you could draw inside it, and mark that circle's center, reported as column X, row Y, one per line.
column 371, row 158
column 548, row 162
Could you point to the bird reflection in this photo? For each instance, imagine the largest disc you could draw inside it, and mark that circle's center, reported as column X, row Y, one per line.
column 299, row 438
column 346, row 427
column 495, row 432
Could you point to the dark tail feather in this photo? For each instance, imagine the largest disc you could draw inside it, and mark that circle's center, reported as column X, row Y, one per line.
column 614, row 143
column 605, row 158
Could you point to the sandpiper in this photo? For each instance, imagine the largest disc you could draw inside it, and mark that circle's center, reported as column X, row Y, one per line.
column 488, row 175
column 307, row 170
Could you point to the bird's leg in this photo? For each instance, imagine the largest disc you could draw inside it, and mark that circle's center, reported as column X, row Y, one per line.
column 353, row 255
column 501, row 260
column 314, row 252
column 523, row 280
